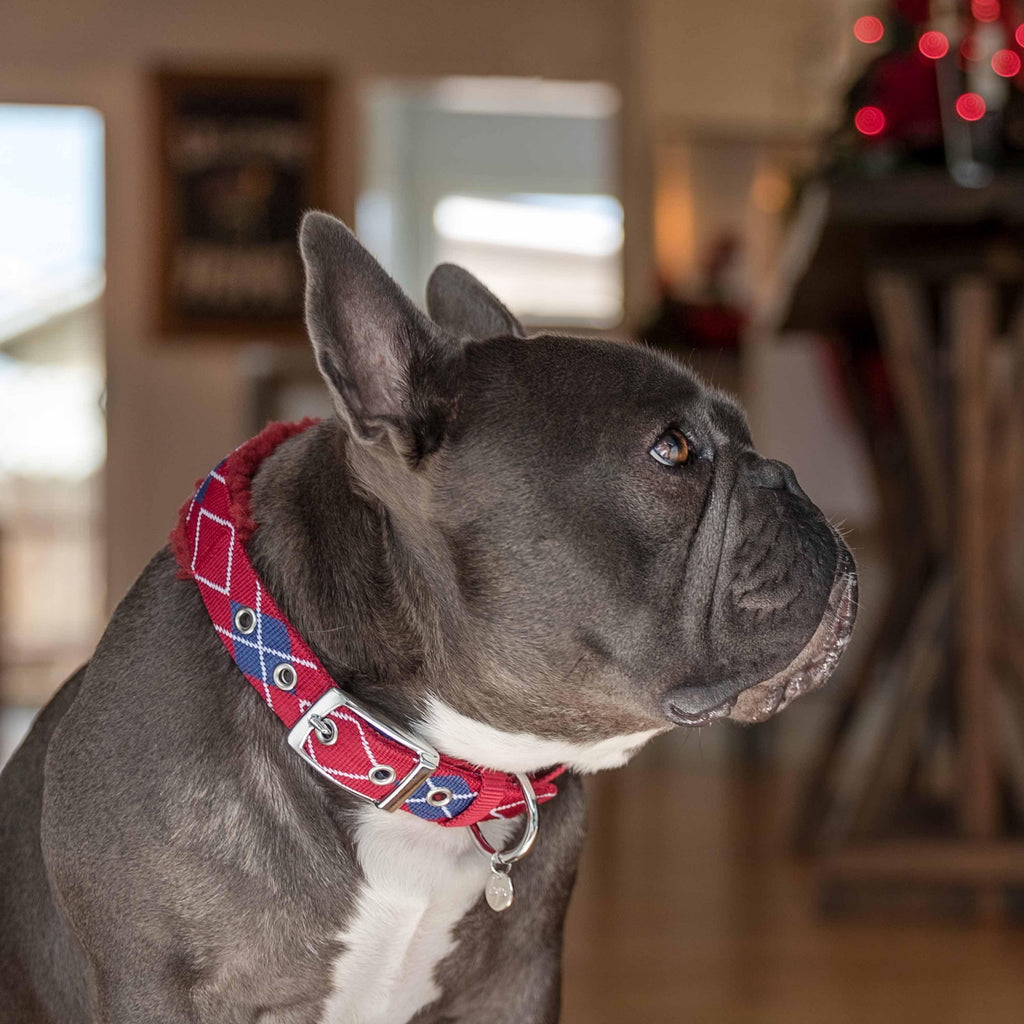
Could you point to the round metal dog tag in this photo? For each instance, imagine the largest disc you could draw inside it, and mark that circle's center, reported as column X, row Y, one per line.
column 499, row 890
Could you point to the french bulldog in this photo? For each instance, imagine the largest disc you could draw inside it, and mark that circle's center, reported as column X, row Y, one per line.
column 524, row 551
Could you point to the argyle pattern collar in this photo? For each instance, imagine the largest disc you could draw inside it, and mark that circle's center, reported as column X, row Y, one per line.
column 347, row 743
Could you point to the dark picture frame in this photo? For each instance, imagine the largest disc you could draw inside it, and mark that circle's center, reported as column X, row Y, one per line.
column 241, row 156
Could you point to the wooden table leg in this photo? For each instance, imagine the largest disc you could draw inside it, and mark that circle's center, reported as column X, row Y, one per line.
column 901, row 310
column 972, row 327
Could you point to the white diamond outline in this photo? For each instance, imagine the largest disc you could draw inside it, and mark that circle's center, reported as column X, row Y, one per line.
column 226, row 589
column 270, row 650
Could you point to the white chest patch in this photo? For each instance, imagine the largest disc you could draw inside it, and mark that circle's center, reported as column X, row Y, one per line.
column 420, row 881
column 456, row 734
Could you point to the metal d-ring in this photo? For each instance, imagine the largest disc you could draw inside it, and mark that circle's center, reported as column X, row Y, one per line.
column 506, row 857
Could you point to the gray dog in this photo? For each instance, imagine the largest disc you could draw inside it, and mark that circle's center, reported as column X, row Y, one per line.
column 525, row 554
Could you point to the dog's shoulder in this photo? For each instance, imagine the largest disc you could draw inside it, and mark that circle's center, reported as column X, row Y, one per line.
column 31, row 928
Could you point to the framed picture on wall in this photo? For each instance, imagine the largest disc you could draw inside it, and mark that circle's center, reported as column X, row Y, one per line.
column 240, row 158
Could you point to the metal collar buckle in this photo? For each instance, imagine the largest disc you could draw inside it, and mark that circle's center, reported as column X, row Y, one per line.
column 428, row 758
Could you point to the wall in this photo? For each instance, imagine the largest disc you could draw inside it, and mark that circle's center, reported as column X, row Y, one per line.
column 175, row 408
column 759, row 65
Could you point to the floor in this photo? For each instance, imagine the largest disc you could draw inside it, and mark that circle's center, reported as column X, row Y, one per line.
column 690, row 909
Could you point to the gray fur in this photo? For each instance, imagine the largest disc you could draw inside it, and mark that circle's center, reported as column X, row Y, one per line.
column 482, row 522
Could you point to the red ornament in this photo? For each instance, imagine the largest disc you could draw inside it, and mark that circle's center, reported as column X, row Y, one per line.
column 970, row 106
column 1006, row 63
column 868, row 29
column 985, row 10
column 869, row 121
column 933, row 45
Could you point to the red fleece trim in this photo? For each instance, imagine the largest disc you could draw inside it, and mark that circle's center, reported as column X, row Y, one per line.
column 238, row 470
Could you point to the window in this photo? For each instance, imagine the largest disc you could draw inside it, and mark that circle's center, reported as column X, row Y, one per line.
column 514, row 179
column 52, row 435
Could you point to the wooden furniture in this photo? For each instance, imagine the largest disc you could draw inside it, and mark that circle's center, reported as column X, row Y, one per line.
column 921, row 774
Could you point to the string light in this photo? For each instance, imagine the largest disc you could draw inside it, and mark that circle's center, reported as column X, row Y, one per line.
column 933, row 45
column 970, row 106
column 869, row 121
column 985, row 10
column 1005, row 63
column 868, row 29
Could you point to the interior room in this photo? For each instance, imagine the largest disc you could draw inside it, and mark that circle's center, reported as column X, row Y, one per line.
column 813, row 204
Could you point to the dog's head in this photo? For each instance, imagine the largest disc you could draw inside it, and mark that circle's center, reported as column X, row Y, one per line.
column 601, row 548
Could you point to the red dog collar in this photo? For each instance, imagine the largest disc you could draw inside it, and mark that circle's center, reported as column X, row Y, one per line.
column 351, row 746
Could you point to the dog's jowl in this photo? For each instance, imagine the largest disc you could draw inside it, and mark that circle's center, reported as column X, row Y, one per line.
column 324, row 764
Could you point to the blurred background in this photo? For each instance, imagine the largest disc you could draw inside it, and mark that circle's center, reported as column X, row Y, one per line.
column 816, row 203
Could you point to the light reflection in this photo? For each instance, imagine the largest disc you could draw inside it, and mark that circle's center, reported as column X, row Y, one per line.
column 581, row 225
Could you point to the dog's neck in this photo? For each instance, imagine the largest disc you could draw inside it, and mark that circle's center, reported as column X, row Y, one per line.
column 319, row 539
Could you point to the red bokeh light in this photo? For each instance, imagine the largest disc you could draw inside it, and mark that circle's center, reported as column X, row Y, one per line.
column 969, row 49
column 1005, row 63
column 1019, row 35
column 868, row 29
column 933, row 45
column 985, row 10
column 869, row 121
column 970, row 106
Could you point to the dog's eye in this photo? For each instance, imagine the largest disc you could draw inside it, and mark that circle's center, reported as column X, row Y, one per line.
column 672, row 448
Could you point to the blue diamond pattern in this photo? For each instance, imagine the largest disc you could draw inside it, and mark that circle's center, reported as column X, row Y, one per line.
column 462, row 795
column 270, row 637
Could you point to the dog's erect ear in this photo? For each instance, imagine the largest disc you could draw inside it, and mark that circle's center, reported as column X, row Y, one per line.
column 459, row 303
column 387, row 366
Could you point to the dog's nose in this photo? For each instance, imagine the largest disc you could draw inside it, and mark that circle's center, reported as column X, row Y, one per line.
column 770, row 473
